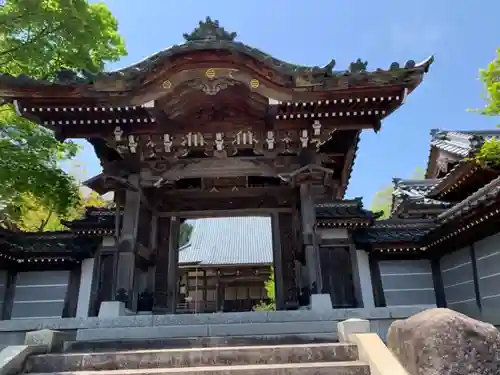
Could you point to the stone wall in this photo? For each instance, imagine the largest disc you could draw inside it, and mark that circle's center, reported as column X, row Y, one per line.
column 458, row 281
column 407, row 282
column 481, row 301
column 40, row 294
column 487, row 252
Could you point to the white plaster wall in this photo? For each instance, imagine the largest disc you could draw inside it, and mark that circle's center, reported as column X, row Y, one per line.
column 333, row 233
column 82, row 308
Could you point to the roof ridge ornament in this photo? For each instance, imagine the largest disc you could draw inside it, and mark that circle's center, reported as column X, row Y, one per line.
column 209, row 30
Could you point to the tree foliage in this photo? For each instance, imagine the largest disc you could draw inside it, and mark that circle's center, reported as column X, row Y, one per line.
column 34, row 216
column 491, row 80
column 382, row 201
column 185, row 233
column 489, row 154
column 38, row 38
column 271, row 295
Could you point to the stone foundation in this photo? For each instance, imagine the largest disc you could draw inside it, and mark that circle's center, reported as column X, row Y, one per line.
column 12, row 332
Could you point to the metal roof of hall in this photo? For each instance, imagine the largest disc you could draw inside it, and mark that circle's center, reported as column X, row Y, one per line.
column 228, row 241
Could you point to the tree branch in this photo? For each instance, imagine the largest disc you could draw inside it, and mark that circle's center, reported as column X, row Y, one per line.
column 46, row 31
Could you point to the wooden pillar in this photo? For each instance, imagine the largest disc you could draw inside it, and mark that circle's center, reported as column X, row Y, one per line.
column 173, row 265
column 279, row 291
column 308, row 215
column 153, row 245
column 124, row 290
column 219, row 297
column 205, row 287
column 161, row 265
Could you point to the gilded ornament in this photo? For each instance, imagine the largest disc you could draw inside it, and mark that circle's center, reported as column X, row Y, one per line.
column 210, row 73
column 167, row 85
column 254, row 83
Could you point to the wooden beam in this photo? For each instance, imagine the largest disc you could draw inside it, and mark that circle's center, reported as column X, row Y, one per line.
column 194, row 214
column 164, row 123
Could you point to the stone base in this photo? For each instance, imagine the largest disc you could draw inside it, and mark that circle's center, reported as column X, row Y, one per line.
column 352, row 326
column 321, row 303
column 50, row 339
column 112, row 309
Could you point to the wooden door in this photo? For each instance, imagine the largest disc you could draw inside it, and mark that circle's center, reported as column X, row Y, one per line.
column 336, row 271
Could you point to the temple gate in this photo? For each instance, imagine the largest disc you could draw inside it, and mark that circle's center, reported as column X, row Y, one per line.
column 213, row 127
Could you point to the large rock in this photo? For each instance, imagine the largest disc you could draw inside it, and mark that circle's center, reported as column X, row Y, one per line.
column 444, row 342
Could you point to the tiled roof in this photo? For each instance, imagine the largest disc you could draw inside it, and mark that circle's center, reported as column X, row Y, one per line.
column 96, row 219
column 487, row 193
column 413, row 193
column 395, row 231
column 352, row 208
column 47, row 244
column 234, row 240
column 461, row 143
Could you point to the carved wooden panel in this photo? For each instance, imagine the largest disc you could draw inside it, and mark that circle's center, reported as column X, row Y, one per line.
column 161, row 269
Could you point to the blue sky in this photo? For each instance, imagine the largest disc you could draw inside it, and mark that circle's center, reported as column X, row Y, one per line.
column 462, row 36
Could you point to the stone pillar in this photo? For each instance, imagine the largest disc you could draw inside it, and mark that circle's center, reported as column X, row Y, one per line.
column 279, row 291
column 308, row 215
column 365, row 279
column 173, row 265
column 85, row 292
column 124, row 291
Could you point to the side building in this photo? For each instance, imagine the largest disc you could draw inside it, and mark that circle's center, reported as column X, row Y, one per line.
column 441, row 244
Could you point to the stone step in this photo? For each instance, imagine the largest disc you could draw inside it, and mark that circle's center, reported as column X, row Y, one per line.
column 320, row 368
column 207, row 330
column 192, row 357
column 196, row 342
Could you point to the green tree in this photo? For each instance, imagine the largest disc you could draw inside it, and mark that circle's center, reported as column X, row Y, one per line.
column 270, row 289
column 491, row 80
column 185, row 233
column 38, row 38
column 382, row 201
column 489, row 154
column 34, row 216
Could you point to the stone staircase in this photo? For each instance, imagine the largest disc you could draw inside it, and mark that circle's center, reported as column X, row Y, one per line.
column 214, row 356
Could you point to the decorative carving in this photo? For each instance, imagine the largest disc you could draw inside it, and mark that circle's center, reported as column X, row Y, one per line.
column 442, row 164
column 287, row 143
column 270, row 140
column 118, row 132
column 132, row 144
column 212, row 86
column 151, row 148
column 316, row 128
column 167, row 143
column 167, row 85
column 209, row 30
column 219, row 141
column 244, row 138
column 254, row 83
column 358, row 66
column 195, row 139
column 304, row 139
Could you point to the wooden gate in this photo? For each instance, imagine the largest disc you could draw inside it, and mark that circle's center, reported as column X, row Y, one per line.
column 336, row 271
